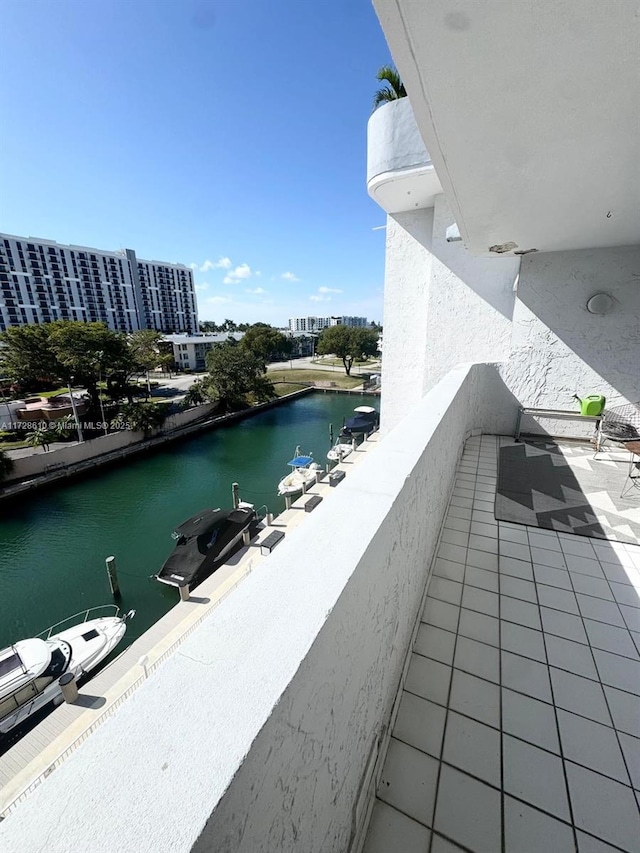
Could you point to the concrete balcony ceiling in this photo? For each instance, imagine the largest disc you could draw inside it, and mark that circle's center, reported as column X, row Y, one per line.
column 530, row 113
column 400, row 174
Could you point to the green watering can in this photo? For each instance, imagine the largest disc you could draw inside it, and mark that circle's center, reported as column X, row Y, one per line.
column 592, row 405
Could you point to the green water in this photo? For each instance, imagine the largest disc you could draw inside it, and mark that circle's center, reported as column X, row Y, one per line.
column 54, row 543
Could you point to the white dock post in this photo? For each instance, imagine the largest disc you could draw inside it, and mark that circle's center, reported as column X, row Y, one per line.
column 304, row 488
column 69, row 687
column 246, row 538
column 353, row 443
column 287, row 501
column 235, row 495
column 143, row 661
column 112, row 573
column 184, row 592
column 269, row 518
column 318, row 475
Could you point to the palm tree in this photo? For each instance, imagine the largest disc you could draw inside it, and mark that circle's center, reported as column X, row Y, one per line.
column 40, row 438
column 394, row 88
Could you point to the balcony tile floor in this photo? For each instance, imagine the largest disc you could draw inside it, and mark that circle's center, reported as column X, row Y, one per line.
column 518, row 728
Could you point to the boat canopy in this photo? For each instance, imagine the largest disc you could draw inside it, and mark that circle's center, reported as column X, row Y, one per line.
column 360, row 423
column 300, row 461
column 366, row 410
column 199, row 523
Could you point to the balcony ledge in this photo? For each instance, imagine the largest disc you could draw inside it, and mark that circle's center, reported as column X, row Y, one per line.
column 400, row 174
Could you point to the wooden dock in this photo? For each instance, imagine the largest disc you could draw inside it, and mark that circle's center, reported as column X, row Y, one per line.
column 41, row 750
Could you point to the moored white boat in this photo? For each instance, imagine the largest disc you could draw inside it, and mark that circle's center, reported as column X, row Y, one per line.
column 303, row 473
column 30, row 669
column 342, row 448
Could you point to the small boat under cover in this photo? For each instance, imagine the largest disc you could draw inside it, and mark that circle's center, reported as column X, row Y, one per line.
column 365, row 420
column 203, row 542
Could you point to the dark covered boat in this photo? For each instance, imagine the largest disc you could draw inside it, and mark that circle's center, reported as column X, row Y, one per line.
column 203, row 542
column 365, row 420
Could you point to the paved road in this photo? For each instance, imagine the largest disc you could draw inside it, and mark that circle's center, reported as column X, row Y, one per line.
column 308, row 364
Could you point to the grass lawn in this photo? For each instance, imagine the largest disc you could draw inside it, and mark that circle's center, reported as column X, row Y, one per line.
column 13, row 445
column 47, row 394
column 337, row 362
column 291, row 377
column 284, row 388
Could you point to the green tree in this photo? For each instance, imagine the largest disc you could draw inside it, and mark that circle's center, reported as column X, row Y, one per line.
column 393, row 91
column 40, row 437
column 266, row 342
column 348, row 344
column 144, row 349
column 140, row 417
column 209, row 326
column 6, row 464
column 86, row 351
column 196, row 395
column 235, row 374
column 27, row 357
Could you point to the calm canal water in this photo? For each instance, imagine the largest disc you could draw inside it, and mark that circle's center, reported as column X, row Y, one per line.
column 53, row 544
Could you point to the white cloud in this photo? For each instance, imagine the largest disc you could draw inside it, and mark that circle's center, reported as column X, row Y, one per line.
column 218, row 300
column 289, row 276
column 257, row 291
column 220, row 264
column 239, row 273
column 323, row 294
column 193, row 266
column 203, row 286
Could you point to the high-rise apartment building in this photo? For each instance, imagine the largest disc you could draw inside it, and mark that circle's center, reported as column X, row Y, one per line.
column 42, row 281
column 316, row 324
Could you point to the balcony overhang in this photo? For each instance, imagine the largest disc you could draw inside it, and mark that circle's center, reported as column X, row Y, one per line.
column 400, row 174
column 530, row 114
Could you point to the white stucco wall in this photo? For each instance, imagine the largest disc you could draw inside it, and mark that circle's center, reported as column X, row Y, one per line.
column 558, row 347
column 393, row 140
column 400, row 174
column 40, row 462
column 470, row 303
column 442, row 307
column 407, row 274
column 254, row 736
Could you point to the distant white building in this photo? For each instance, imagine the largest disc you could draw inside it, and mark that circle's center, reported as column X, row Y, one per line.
column 190, row 351
column 316, row 324
column 42, row 281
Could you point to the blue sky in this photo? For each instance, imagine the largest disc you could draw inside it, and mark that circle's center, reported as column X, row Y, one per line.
column 230, row 135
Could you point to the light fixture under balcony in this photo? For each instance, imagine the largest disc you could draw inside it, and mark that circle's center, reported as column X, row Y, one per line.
column 600, row 303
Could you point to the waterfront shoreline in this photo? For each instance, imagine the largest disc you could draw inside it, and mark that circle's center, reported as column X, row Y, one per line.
column 74, row 470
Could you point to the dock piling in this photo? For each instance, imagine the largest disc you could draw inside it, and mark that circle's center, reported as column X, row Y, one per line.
column 287, row 501
column 184, row 592
column 246, row 538
column 112, row 574
column 235, row 495
column 69, row 687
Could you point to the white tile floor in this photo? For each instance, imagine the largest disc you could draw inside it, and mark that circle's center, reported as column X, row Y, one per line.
column 518, row 728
